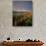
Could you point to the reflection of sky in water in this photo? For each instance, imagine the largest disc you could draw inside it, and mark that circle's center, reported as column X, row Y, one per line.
column 22, row 5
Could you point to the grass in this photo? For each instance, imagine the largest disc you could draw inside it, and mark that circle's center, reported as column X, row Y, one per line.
column 22, row 19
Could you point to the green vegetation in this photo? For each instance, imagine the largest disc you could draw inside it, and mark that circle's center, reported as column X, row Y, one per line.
column 22, row 19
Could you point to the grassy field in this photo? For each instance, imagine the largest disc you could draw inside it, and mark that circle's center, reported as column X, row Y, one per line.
column 22, row 18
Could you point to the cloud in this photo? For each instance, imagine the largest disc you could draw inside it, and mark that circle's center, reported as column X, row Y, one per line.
column 22, row 6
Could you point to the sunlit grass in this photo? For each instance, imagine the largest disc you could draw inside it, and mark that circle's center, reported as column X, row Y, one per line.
column 23, row 19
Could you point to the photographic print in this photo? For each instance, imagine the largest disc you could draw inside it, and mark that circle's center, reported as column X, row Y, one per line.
column 22, row 13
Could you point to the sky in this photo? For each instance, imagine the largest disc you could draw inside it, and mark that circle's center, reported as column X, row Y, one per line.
column 22, row 5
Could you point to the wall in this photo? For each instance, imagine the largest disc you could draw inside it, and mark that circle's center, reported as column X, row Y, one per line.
column 37, row 31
